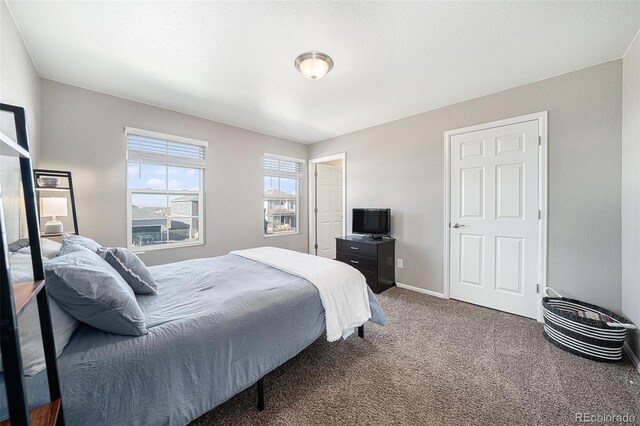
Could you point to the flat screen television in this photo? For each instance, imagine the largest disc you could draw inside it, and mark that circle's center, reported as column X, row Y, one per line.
column 375, row 223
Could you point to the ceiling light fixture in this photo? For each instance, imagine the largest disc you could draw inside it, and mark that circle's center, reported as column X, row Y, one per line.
column 314, row 65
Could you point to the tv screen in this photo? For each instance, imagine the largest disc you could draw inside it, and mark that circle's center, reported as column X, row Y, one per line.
column 374, row 222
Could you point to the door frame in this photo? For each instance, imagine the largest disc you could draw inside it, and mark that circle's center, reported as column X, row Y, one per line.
column 312, row 195
column 542, row 118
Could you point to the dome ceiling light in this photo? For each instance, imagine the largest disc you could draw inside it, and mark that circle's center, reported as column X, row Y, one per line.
column 314, row 65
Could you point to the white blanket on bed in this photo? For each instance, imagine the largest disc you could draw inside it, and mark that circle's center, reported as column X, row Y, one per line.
column 343, row 289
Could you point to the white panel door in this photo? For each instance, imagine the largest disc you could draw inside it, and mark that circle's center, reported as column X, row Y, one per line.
column 329, row 204
column 494, row 218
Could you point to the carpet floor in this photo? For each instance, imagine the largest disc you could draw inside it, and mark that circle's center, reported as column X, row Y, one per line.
column 437, row 362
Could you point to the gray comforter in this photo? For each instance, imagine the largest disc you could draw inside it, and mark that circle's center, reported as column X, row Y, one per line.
column 216, row 327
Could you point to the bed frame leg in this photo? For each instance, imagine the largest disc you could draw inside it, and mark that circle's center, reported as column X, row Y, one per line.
column 261, row 394
column 361, row 331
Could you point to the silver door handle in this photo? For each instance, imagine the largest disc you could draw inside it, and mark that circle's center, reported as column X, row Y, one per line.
column 354, row 261
column 457, row 225
column 354, row 248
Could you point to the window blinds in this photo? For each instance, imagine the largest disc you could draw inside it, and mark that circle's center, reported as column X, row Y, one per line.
column 158, row 150
column 283, row 167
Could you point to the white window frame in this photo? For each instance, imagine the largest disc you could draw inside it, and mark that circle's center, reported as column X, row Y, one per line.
column 299, row 186
column 201, row 197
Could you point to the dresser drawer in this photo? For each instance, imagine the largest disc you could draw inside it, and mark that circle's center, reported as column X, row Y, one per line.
column 357, row 249
column 372, row 280
column 375, row 259
column 358, row 262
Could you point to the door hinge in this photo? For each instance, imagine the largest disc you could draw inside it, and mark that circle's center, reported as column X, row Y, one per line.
column 315, row 174
column 539, row 140
column 539, row 214
column 537, row 288
column 315, row 210
column 315, row 246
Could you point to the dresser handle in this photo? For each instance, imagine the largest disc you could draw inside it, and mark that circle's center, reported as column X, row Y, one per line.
column 354, row 261
column 354, row 248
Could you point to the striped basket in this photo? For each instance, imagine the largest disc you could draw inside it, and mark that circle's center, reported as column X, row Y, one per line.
column 583, row 329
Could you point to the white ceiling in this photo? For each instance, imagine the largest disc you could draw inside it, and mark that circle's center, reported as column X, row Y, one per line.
column 233, row 61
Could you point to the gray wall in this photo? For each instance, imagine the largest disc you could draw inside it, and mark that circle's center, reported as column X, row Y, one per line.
column 19, row 85
column 631, row 190
column 84, row 133
column 401, row 165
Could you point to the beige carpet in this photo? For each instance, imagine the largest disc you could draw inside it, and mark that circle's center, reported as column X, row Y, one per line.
column 437, row 362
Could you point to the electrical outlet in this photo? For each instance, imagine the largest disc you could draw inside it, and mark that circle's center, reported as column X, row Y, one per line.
column 400, row 263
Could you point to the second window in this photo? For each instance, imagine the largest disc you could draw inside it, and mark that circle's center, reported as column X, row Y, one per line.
column 282, row 178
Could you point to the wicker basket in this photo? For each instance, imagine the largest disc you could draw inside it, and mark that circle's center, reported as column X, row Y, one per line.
column 583, row 329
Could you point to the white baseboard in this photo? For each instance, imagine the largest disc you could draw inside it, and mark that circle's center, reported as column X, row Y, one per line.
column 633, row 356
column 421, row 290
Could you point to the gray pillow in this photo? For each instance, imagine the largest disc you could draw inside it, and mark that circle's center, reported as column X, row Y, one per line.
column 70, row 239
column 17, row 245
column 131, row 268
column 48, row 248
column 90, row 290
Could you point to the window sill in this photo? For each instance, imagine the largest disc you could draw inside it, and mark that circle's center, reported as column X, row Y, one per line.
column 143, row 249
column 281, row 234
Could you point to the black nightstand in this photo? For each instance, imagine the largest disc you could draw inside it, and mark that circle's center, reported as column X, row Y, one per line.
column 375, row 259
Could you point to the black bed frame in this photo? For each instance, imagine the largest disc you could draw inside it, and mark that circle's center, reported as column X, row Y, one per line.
column 261, row 381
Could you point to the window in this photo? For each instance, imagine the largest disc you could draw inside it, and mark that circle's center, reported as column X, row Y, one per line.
column 282, row 177
column 165, row 176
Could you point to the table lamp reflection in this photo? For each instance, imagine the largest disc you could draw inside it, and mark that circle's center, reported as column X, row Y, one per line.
column 53, row 207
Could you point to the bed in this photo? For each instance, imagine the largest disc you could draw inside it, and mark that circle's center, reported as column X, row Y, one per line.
column 217, row 326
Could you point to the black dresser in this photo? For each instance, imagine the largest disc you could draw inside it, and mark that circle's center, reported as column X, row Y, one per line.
column 374, row 258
